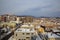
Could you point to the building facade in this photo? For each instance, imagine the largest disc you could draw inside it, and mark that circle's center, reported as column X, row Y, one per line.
column 24, row 34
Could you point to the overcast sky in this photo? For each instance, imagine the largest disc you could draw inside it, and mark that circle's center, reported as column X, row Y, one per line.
column 31, row 7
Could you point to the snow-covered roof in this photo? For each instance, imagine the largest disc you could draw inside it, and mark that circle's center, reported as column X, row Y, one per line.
column 56, row 30
column 26, row 25
column 25, row 30
column 53, row 35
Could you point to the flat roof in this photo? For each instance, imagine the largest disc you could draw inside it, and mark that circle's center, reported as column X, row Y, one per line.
column 26, row 25
column 25, row 30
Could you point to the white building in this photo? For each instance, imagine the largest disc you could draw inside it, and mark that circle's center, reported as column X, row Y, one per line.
column 29, row 26
column 24, row 34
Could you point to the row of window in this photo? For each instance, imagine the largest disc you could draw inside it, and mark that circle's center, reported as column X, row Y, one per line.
column 25, row 39
column 22, row 39
column 26, row 33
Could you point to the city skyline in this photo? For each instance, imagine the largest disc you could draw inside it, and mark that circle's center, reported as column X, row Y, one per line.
column 48, row 8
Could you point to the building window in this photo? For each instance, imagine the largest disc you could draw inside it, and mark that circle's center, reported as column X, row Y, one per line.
column 27, row 33
column 24, row 39
column 32, row 33
column 27, row 37
column 19, row 30
column 23, row 33
column 16, row 34
column 19, row 39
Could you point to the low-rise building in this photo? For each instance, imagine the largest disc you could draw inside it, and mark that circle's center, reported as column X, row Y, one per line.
column 24, row 34
column 29, row 26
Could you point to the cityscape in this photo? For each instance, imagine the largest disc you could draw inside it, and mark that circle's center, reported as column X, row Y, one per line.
column 29, row 19
column 13, row 27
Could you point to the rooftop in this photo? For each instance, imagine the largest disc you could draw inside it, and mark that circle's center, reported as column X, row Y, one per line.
column 25, row 30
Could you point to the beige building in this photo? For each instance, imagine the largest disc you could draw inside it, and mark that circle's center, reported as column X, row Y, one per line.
column 28, row 26
column 23, row 34
column 0, row 18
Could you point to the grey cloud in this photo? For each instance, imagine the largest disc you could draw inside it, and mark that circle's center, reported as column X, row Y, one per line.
column 31, row 7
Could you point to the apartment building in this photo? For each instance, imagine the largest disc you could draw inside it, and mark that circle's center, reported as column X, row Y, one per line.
column 28, row 26
column 24, row 34
column 7, row 18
